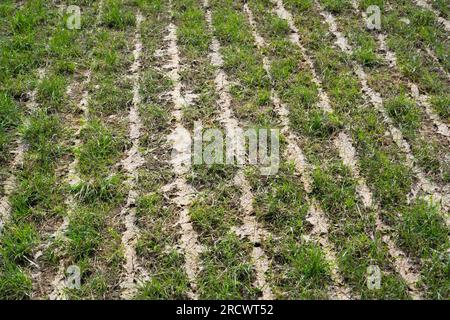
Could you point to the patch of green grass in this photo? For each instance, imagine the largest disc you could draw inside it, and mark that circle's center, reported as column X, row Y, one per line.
column 9, row 112
column 156, row 244
column 391, row 181
column 84, row 233
column 336, row 6
column 436, row 275
column 27, row 19
column 336, row 191
column 442, row 106
column 300, row 5
column 305, row 273
column 357, row 254
column 208, row 218
column 283, row 203
column 316, row 124
column 9, row 119
column 64, row 45
column 17, row 242
column 111, row 97
column 116, row 16
column 279, row 26
column 365, row 53
column 209, row 176
column 99, row 189
column 405, row 113
column 230, row 26
column 100, row 149
column 422, row 229
column 169, row 283
column 42, row 134
column 51, row 92
column 37, row 196
column 442, row 6
column 226, row 274
column 14, row 283
column 192, row 32
column 432, row 158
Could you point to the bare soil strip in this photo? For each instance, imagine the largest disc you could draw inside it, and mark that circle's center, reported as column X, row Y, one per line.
column 421, row 99
column 426, row 5
column 250, row 227
column 316, row 217
column 181, row 165
column 377, row 101
column 10, row 182
column 131, row 164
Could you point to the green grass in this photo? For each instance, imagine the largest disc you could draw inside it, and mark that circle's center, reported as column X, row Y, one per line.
column 116, row 16
column 422, row 229
column 169, row 283
column 9, row 120
column 33, row 36
column 100, row 150
column 227, row 258
column 442, row 105
column 14, row 284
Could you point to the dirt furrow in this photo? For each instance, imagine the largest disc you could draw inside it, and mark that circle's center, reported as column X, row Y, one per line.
column 180, row 162
column 131, row 164
column 295, row 154
column 377, row 101
column 250, row 227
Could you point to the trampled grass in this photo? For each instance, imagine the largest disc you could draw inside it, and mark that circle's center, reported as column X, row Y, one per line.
column 94, row 182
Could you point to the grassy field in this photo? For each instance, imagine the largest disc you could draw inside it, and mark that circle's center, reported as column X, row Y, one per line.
column 94, row 205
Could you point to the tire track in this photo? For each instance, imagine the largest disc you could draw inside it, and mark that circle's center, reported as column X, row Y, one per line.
column 377, row 101
column 131, row 164
column 180, row 162
column 250, row 227
column 315, row 216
